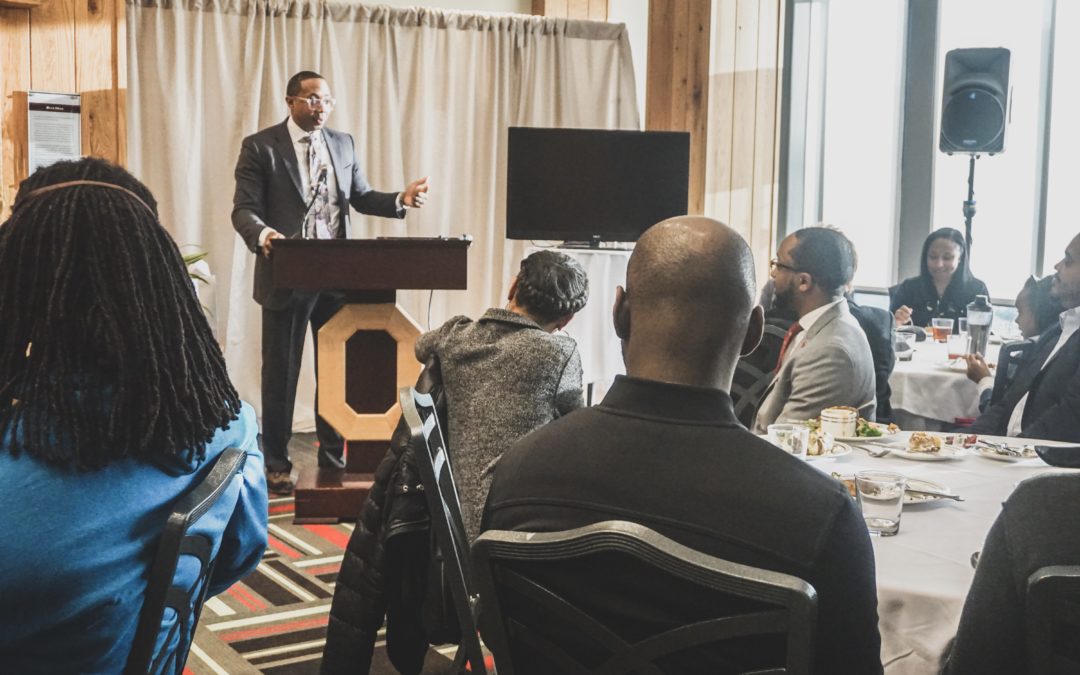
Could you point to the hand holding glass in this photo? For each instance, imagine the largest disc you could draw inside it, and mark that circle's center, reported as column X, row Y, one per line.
column 958, row 346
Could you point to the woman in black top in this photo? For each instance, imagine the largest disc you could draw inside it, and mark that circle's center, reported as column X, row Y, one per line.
column 944, row 286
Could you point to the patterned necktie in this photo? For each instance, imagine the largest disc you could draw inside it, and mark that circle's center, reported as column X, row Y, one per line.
column 794, row 330
column 318, row 224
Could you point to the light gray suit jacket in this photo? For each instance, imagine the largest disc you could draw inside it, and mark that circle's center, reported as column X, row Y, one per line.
column 269, row 194
column 831, row 366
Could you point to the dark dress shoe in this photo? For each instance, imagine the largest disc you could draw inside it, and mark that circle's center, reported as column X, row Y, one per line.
column 280, row 482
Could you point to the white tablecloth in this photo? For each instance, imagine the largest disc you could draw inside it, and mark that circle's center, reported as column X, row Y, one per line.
column 601, row 351
column 928, row 387
column 924, row 572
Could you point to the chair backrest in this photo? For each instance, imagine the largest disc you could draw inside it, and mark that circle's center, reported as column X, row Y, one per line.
column 1009, row 358
column 562, row 602
column 418, row 411
column 755, row 371
column 1053, row 620
column 179, row 575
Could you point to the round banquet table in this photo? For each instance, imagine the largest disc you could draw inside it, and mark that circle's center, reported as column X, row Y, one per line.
column 924, row 572
column 929, row 392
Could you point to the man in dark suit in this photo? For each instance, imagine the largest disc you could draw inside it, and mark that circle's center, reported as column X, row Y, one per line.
column 298, row 179
column 1043, row 399
column 665, row 449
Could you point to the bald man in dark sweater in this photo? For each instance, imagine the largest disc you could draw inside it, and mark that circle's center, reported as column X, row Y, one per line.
column 665, row 450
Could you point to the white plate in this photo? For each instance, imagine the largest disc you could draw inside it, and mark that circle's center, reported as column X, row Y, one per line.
column 920, row 484
column 947, row 452
column 838, row 450
column 886, row 433
column 990, row 454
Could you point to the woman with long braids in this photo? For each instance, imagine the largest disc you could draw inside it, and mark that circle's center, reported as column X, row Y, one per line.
column 508, row 373
column 114, row 402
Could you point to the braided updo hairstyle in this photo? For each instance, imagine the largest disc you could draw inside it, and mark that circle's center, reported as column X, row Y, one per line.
column 104, row 349
column 552, row 285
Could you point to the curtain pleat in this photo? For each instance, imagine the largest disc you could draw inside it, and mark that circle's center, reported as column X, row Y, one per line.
column 424, row 92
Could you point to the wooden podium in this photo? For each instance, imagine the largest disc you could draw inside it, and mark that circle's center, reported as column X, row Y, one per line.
column 366, row 349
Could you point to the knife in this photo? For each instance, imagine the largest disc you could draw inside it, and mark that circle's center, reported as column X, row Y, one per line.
column 935, row 493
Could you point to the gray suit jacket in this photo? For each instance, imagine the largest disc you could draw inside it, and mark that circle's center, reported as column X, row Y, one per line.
column 831, row 366
column 269, row 194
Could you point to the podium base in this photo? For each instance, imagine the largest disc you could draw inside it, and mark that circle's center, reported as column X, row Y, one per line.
column 330, row 495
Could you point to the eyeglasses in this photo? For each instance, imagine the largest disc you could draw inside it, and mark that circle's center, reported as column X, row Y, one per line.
column 775, row 264
column 315, row 102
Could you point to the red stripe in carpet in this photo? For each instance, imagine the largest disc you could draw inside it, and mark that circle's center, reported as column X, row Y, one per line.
column 282, row 547
column 281, row 508
column 331, row 534
column 275, row 628
column 323, row 569
column 245, row 598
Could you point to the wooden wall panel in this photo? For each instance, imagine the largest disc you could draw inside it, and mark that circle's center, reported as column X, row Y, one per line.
column 95, row 76
column 766, row 132
column 677, row 81
column 63, row 46
column 52, row 46
column 718, row 167
column 14, row 76
column 120, row 79
column 743, row 132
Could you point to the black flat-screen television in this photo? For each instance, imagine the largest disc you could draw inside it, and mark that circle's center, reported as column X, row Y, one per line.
column 591, row 185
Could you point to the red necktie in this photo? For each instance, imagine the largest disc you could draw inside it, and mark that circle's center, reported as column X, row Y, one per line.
column 794, row 330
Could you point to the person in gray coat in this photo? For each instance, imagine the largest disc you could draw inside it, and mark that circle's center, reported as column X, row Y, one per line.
column 509, row 372
column 826, row 359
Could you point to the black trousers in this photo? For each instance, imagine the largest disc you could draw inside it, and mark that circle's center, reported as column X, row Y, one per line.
column 283, row 334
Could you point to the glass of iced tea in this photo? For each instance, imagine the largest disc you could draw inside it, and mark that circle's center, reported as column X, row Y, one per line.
column 957, row 346
column 941, row 328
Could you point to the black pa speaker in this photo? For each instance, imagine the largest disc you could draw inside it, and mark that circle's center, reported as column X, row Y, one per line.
column 975, row 101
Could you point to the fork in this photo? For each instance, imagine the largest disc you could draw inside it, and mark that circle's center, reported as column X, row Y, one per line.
column 1001, row 448
column 880, row 452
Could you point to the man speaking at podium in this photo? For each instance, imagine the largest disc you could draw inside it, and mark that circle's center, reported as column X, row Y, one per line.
column 298, row 179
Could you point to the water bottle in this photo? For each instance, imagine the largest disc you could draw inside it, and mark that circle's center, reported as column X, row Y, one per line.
column 980, row 314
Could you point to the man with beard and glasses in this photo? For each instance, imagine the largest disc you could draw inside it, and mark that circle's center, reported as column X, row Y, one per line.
column 825, row 359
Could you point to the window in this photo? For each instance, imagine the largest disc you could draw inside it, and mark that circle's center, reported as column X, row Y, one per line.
column 1005, row 184
column 859, row 132
column 1062, row 220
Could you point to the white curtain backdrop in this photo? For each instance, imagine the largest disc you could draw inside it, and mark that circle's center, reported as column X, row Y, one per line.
column 424, row 92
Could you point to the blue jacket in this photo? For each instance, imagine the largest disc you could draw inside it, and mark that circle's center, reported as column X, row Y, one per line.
column 76, row 549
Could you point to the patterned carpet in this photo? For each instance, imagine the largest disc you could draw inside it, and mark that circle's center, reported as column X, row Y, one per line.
column 274, row 620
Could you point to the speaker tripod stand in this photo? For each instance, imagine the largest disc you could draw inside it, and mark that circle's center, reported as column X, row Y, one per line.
column 969, row 207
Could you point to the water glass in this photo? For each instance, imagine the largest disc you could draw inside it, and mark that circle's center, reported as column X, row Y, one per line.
column 958, row 346
column 791, row 438
column 942, row 329
column 881, row 498
column 961, row 325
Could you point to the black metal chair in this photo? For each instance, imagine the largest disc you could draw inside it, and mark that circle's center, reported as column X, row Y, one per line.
column 754, row 372
column 616, row 597
column 1053, row 620
column 418, row 411
column 172, row 606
